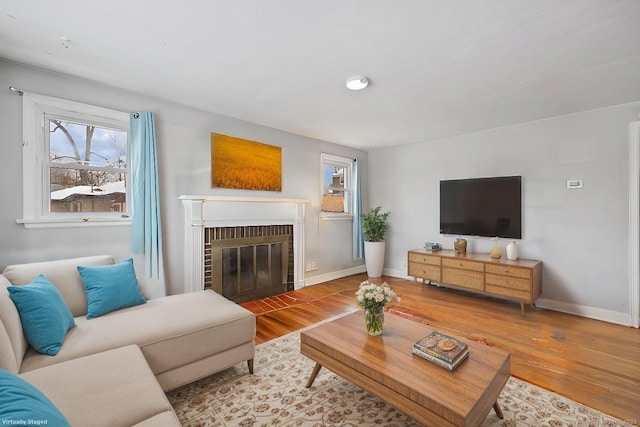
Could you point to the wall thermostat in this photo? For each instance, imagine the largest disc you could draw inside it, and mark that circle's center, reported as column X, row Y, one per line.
column 574, row 183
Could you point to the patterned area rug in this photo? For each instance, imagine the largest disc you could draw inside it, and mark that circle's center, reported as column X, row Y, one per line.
column 275, row 395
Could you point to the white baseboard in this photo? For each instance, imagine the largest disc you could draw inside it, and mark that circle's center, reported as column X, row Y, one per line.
column 586, row 311
column 321, row 278
column 401, row 274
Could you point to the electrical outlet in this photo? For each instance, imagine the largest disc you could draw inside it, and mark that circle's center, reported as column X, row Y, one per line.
column 312, row 265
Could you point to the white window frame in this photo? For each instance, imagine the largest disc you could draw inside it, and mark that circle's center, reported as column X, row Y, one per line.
column 347, row 163
column 35, row 155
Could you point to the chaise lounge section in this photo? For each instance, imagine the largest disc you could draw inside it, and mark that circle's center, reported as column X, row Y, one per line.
column 120, row 362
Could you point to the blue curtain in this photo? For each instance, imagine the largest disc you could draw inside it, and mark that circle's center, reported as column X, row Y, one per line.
column 358, row 238
column 146, row 227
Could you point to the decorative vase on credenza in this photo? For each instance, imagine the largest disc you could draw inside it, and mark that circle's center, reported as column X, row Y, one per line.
column 512, row 251
column 496, row 253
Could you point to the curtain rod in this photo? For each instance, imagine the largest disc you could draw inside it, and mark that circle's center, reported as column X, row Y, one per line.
column 355, row 159
column 16, row 90
column 22, row 92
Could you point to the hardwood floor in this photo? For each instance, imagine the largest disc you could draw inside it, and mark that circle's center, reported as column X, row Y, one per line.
column 592, row 362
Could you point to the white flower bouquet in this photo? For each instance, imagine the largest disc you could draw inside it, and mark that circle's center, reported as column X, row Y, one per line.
column 371, row 296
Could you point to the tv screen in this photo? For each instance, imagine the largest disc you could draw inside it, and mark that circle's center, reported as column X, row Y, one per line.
column 490, row 207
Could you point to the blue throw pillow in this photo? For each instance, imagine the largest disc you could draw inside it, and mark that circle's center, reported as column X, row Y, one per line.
column 110, row 287
column 43, row 313
column 23, row 404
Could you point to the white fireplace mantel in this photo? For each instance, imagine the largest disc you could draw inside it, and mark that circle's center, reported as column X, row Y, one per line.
column 202, row 212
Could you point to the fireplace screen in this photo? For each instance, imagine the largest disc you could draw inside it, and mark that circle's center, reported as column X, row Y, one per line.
column 250, row 264
column 253, row 271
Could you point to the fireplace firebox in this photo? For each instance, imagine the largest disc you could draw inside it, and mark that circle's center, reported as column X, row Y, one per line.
column 249, row 262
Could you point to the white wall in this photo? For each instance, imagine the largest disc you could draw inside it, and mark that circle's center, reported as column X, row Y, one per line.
column 582, row 236
column 183, row 136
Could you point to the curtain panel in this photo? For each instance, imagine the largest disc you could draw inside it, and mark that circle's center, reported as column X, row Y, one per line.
column 146, row 227
column 358, row 238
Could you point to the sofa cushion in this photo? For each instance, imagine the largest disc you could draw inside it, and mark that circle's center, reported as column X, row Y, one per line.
column 171, row 331
column 110, row 287
column 21, row 403
column 13, row 344
column 112, row 388
column 44, row 315
column 63, row 274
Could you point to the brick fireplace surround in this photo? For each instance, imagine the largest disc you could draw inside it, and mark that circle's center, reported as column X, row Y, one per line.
column 204, row 212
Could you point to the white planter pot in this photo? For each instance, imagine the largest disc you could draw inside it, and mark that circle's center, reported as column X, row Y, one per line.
column 374, row 258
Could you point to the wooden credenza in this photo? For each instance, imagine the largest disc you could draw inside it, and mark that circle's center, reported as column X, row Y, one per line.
column 519, row 280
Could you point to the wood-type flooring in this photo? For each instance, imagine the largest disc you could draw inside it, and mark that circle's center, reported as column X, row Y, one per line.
column 592, row 362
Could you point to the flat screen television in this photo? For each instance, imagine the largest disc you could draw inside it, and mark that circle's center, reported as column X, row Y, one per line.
column 490, row 207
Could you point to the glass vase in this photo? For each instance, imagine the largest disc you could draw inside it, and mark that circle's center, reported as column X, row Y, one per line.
column 495, row 250
column 374, row 320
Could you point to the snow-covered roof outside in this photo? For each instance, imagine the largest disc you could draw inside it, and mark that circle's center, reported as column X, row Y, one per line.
column 86, row 190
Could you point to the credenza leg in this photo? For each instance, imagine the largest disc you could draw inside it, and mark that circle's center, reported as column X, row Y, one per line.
column 314, row 374
column 498, row 410
column 522, row 308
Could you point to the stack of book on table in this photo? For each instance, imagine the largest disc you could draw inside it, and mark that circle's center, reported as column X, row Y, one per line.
column 441, row 349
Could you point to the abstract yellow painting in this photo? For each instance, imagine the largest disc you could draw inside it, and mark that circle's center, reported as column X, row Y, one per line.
column 243, row 164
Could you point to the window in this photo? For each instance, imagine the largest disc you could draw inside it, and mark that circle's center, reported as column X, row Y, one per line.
column 76, row 163
column 336, row 187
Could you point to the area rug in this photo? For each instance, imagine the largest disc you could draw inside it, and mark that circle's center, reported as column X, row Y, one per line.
column 275, row 395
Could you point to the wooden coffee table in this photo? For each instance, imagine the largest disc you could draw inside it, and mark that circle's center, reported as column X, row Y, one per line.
column 385, row 367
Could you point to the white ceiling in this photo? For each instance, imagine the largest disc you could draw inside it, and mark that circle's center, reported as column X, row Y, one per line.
column 437, row 68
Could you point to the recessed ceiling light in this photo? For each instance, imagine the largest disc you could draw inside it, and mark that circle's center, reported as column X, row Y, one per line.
column 357, row 82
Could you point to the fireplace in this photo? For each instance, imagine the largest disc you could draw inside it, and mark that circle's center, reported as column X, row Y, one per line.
column 241, row 240
column 249, row 262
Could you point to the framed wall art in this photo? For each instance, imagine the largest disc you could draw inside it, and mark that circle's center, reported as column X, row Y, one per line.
column 244, row 164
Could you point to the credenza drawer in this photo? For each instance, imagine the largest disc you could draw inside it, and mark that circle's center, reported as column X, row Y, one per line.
column 424, row 259
column 463, row 264
column 508, row 270
column 463, row 278
column 508, row 282
column 509, row 293
column 425, row 271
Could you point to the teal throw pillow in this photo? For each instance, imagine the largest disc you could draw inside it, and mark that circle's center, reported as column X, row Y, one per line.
column 44, row 315
column 23, row 404
column 110, row 287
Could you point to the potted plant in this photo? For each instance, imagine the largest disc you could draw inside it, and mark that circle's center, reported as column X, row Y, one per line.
column 374, row 227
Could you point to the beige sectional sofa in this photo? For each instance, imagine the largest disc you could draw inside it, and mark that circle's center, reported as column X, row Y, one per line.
column 112, row 370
